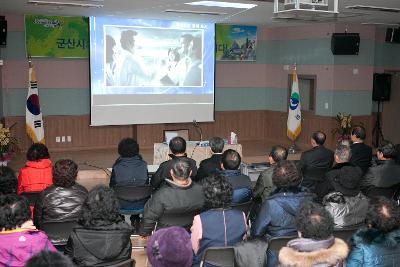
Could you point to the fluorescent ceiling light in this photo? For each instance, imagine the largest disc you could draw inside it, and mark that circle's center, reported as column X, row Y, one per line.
column 221, row 4
column 375, row 8
column 195, row 12
column 73, row 4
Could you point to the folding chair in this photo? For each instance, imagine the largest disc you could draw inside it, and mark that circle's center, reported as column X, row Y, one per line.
column 219, row 257
column 126, row 263
column 58, row 232
column 31, row 196
column 347, row 232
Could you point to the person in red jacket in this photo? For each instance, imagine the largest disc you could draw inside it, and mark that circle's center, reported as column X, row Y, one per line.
column 37, row 174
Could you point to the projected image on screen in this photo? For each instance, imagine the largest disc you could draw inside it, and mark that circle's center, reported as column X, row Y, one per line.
column 151, row 71
column 151, row 57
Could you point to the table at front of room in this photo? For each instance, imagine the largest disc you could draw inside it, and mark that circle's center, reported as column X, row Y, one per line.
column 161, row 151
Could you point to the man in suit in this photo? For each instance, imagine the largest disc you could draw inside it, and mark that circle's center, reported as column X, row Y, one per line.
column 177, row 146
column 361, row 154
column 384, row 177
column 212, row 164
column 314, row 163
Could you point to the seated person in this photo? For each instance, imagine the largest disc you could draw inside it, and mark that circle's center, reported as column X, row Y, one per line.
column 8, row 181
column 49, row 259
column 384, row 178
column 177, row 146
column 129, row 168
column 241, row 184
column 19, row 239
column 179, row 196
column 264, row 186
column 37, row 174
column 315, row 246
column 344, row 172
column 213, row 164
column 314, row 163
column 346, row 204
column 361, row 154
column 170, row 247
column 277, row 214
column 220, row 225
column 377, row 244
column 62, row 201
column 102, row 237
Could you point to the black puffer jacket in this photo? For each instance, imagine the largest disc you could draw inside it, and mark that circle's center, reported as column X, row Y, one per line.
column 100, row 246
column 59, row 204
column 172, row 205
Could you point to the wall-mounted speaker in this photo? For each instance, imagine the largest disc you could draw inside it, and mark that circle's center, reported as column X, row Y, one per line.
column 392, row 35
column 3, row 32
column 382, row 85
column 345, row 43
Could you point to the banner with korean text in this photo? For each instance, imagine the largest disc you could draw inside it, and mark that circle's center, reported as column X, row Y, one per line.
column 57, row 36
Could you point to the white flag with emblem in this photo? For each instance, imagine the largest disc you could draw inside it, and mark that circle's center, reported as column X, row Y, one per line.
column 294, row 116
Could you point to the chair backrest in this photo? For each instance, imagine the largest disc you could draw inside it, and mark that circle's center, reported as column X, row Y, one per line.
column 219, row 256
column 346, row 233
column 31, row 196
column 245, row 207
column 133, row 193
column 276, row 243
column 184, row 220
column 126, row 263
column 58, row 232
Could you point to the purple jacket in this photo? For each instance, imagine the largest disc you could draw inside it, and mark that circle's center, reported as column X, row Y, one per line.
column 17, row 246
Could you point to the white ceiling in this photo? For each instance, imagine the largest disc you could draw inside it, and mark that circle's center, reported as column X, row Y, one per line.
column 155, row 9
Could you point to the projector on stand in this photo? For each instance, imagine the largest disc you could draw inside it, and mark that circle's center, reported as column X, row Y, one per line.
column 306, row 9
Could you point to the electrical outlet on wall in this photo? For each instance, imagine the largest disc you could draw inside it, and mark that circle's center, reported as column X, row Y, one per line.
column 63, row 139
column 69, row 139
column 58, row 139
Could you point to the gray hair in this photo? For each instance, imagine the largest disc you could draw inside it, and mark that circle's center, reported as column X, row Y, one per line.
column 181, row 168
column 343, row 152
column 217, row 144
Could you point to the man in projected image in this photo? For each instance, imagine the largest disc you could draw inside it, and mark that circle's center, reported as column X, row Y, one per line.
column 111, row 60
column 132, row 70
column 189, row 65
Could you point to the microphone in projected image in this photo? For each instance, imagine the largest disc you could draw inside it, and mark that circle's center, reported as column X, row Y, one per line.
column 198, row 129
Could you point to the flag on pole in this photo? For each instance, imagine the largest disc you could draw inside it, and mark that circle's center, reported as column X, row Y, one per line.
column 294, row 116
column 34, row 121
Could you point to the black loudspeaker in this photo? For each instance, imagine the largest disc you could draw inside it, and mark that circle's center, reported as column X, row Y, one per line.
column 382, row 85
column 393, row 35
column 3, row 32
column 345, row 43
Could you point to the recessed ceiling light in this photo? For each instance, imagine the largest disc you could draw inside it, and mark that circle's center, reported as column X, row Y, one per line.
column 375, row 8
column 195, row 12
column 72, row 4
column 221, row 4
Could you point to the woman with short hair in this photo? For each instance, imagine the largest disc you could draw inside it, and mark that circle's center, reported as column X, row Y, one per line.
column 8, row 181
column 36, row 175
column 102, row 237
column 62, row 201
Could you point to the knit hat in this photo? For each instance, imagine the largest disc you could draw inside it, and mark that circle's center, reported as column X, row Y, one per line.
column 170, row 247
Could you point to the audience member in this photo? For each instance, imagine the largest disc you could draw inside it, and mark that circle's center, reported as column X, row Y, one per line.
column 361, row 154
column 170, row 247
column 264, row 186
column 8, row 181
column 37, row 174
column 177, row 146
column 398, row 153
column 63, row 200
column 384, row 178
column 213, row 164
column 49, row 259
column 344, row 174
column 102, row 237
column 314, row 163
column 315, row 245
column 129, row 168
column 277, row 214
column 178, row 196
column 377, row 244
column 19, row 239
column 220, row 225
column 241, row 184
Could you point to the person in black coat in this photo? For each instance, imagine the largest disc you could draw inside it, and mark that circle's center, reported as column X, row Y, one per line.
column 212, row 164
column 177, row 145
column 102, row 237
column 344, row 173
column 384, row 178
column 314, row 163
column 62, row 201
column 361, row 154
